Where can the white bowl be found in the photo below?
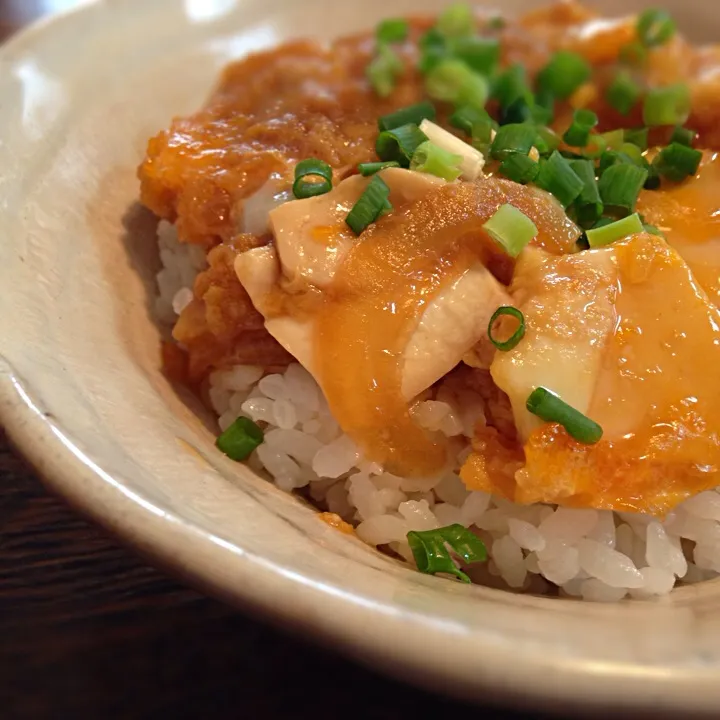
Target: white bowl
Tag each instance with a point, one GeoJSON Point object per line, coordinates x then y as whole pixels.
{"type": "Point", "coordinates": [82, 396]}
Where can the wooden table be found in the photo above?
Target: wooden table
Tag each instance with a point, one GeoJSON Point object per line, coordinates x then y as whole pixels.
{"type": "Point", "coordinates": [89, 631]}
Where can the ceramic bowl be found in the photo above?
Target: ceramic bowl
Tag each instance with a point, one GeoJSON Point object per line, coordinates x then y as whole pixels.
{"type": "Point", "coordinates": [81, 394]}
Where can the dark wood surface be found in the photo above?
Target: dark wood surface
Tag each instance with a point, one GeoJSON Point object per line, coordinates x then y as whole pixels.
{"type": "Point", "coordinates": [89, 631]}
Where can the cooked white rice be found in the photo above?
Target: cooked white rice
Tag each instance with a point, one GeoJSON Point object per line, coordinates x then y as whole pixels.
{"type": "Point", "coordinates": [588, 554]}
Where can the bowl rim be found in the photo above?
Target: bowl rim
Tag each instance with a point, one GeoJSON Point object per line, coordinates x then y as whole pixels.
{"type": "Point", "coordinates": [496, 674]}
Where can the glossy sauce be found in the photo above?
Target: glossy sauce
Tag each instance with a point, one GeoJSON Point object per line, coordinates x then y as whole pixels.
{"type": "Point", "coordinates": [382, 289]}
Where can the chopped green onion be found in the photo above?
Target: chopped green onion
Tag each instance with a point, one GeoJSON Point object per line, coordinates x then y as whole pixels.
{"type": "Point", "coordinates": [516, 337]}
{"type": "Point", "coordinates": [549, 407]}
{"type": "Point", "coordinates": [517, 112]}
{"type": "Point", "coordinates": [433, 49]}
{"type": "Point", "coordinates": [496, 23]}
{"type": "Point", "coordinates": [588, 205]}
{"type": "Point", "coordinates": [613, 157]}
{"type": "Point", "coordinates": [312, 167]}
{"type": "Point", "coordinates": [456, 21]}
{"type": "Point", "coordinates": [475, 122]}
{"type": "Point", "coordinates": [453, 81]}
{"type": "Point", "coordinates": [655, 27]}
{"type": "Point", "coordinates": [547, 140]}
{"type": "Point", "coordinates": [519, 168]}
{"type": "Point", "coordinates": [383, 70]}
{"type": "Point", "coordinates": [623, 93]}
{"type": "Point", "coordinates": [511, 229]}
{"type": "Point", "coordinates": [677, 162]}
{"type": "Point", "coordinates": [240, 439]}
{"type": "Point", "coordinates": [633, 53]}
{"type": "Point", "coordinates": [392, 30]}
{"type": "Point", "coordinates": [637, 137]}
{"type": "Point", "coordinates": [543, 110]}
{"type": "Point", "coordinates": [607, 141]}
{"type": "Point", "coordinates": [653, 230]}
{"type": "Point", "coordinates": [472, 159]}
{"type": "Point", "coordinates": [511, 85]}
{"type": "Point", "coordinates": [558, 178]}
{"type": "Point", "coordinates": [480, 54]}
{"type": "Point", "coordinates": [434, 160]}
{"type": "Point", "coordinates": [609, 233]}
{"type": "Point", "coordinates": [400, 143]}
{"type": "Point", "coordinates": [578, 134]}
{"type": "Point", "coordinates": [633, 152]}
{"type": "Point", "coordinates": [684, 136]}
{"type": "Point", "coordinates": [370, 168]}
{"type": "Point", "coordinates": [668, 105]}
{"type": "Point", "coordinates": [410, 114]}
{"type": "Point", "coordinates": [516, 138]}
{"type": "Point", "coordinates": [369, 206]}
{"type": "Point", "coordinates": [564, 74]}
{"type": "Point", "coordinates": [620, 186]}
{"type": "Point", "coordinates": [653, 180]}
{"type": "Point", "coordinates": [429, 548]}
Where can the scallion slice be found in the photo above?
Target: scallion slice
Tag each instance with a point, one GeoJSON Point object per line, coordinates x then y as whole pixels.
{"type": "Point", "coordinates": [480, 54]}
{"type": "Point", "coordinates": [655, 27]}
{"type": "Point", "coordinates": [430, 549]}
{"type": "Point", "coordinates": [623, 93]}
{"type": "Point", "coordinates": [369, 206]}
{"type": "Point", "coordinates": [433, 49]}
{"type": "Point", "coordinates": [653, 230]}
{"type": "Point", "coordinates": [312, 167]}
{"type": "Point", "coordinates": [240, 439]}
{"type": "Point", "coordinates": [558, 178]}
{"type": "Point", "coordinates": [473, 159]}
{"type": "Point", "coordinates": [653, 181]}
{"type": "Point", "coordinates": [637, 137]}
{"type": "Point", "coordinates": [549, 407]}
{"type": "Point", "coordinates": [519, 168]}
{"type": "Point", "coordinates": [383, 70]}
{"type": "Point", "coordinates": [411, 114]}
{"type": "Point", "coordinates": [578, 134]}
{"type": "Point", "coordinates": [370, 168]}
{"type": "Point", "coordinates": [683, 136]}
{"type": "Point", "coordinates": [453, 81]}
{"type": "Point", "coordinates": [516, 337]}
{"type": "Point", "coordinates": [677, 162]}
{"type": "Point", "coordinates": [392, 30]}
{"type": "Point", "coordinates": [511, 85]}
{"type": "Point", "coordinates": [431, 158]}
{"type": "Point", "coordinates": [456, 21]}
{"type": "Point", "coordinates": [610, 232]}
{"type": "Point", "coordinates": [564, 74]}
{"type": "Point", "coordinates": [547, 140]}
{"type": "Point", "coordinates": [620, 186]}
{"type": "Point", "coordinates": [400, 143]}
{"type": "Point", "coordinates": [475, 122]}
{"type": "Point", "coordinates": [668, 105]}
{"type": "Point", "coordinates": [511, 229]}
{"type": "Point", "coordinates": [515, 138]}
{"type": "Point", "coordinates": [588, 205]}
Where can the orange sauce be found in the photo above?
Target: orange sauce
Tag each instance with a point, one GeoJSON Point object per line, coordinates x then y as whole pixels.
{"type": "Point", "coordinates": [379, 294]}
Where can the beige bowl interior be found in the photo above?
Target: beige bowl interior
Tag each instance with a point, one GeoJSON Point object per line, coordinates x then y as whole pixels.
{"type": "Point", "coordinates": [82, 396]}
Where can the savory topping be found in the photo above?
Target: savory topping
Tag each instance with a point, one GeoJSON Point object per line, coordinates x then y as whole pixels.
{"type": "Point", "coordinates": [240, 439]}
{"type": "Point", "coordinates": [430, 550]}
{"type": "Point", "coordinates": [313, 168]}
{"type": "Point", "coordinates": [471, 159]}
{"type": "Point", "coordinates": [547, 405]}
{"type": "Point", "coordinates": [612, 231]}
{"type": "Point", "coordinates": [511, 229]}
{"type": "Point", "coordinates": [370, 205]}
{"type": "Point", "coordinates": [413, 115]}
{"type": "Point", "coordinates": [431, 158]}
{"type": "Point", "coordinates": [399, 143]}
{"type": "Point", "coordinates": [516, 337]}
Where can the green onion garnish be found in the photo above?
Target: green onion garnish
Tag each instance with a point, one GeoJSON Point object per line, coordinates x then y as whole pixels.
{"type": "Point", "coordinates": [516, 138]}
{"type": "Point", "coordinates": [610, 232]}
{"type": "Point", "coordinates": [383, 70]}
{"type": "Point", "coordinates": [633, 53]}
{"type": "Point", "coordinates": [429, 548]}
{"type": "Point", "coordinates": [668, 105]}
{"type": "Point", "coordinates": [547, 140]}
{"type": "Point", "coordinates": [620, 186]}
{"type": "Point", "coordinates": [370, 205]}
{"type": "Point", "coordinates": [240, 439]}
{"type": "Point", "coordinates": [588, 205]}
{"type": "Point", "coordinates": [578, 134]}
{"type": "Point", "coordinates": [392, 30]}
{"type": "Point", "coordinates": [431, 158]}
{"type": "Point", "coordinates": [456, 21]}
{"type": "Point", "coordinates": [549, 407]}
{"type": "Point", "coordinates": [519, 168]}
{"type": "Point", "coordinates": [653, 230]}
{"type": "Point", "coordinates": [677, 162]}
{"type": "Point", "coordinates": [655, 27]}
{"type": "Point", "coordinates": [511, 85]}
{"type": "Point", "coordinates": [564, 74]}
{"type": "Point", "coordinates": [433, 49]}
{"type": "Point", "coordinates": [480, 54]}
{"type": "Point", "coordinates": [684, 136]}
{"type": "Point", "coordinates": [637, 137]}
{"type": "Point", "coordinates": [516, 337]}
{"type": "Point", "coordinates": [558, 178]}
{"type": "Point", "coordinates": [518, 111]}
{"type": "Point", "coordinates": [410, 114]}
{"type": "Point", "coordinates": [653, 179]}
{"type": "Point", "coordinates": [400, 143]}
{"type": "Point", "coordinates": [511, 229]}
{"type": "Point", "coordinates": [312, 167]}
{"type": "Point", "coordinates": [633, 152]}
{"type": "Point", "coordinates": [623, 93]}
{"type": "Point", "coordinates": [475, 122]}
{"type": "Point", "coordinates": [453, 81]}
{"type": "Point", "coordinates": [496, 23]}
{"type": "Point", "coordinates": [370, 168]}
